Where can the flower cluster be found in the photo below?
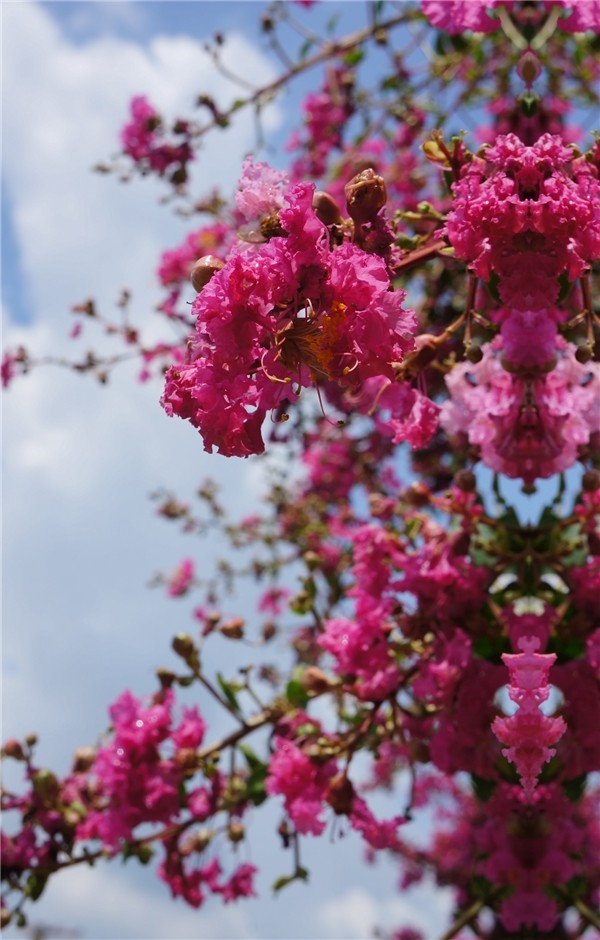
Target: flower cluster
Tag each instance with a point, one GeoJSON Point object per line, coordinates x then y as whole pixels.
{"type": "Point", "coordinates": [526, 215]}
{"type": "Point", "coordinates": [457, 16]}
{"type": "Point", "coordinates": [529, 735]}
{"type": "Point", "coordinates": [139, 784]}
{"type": "Point", "coordinates": [142, 140]}
{"type": "Point", "coordinates": [281, 316]}
{"type": "Point", "coordinates": [526, 426]}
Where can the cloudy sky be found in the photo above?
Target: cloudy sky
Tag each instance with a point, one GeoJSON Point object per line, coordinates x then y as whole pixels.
{"type": "Point", "coordinates": [81, 541]}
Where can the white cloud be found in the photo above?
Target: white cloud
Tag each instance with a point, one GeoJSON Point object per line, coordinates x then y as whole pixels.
{"type": "Point", "coordinates": [64, 104]}
{"type": "Point", "coordinates": [103, 897]}
{"type": "Point", "coordinates": [355, 914]}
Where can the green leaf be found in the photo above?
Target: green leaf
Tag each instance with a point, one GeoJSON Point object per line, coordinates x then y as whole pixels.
{"type": "Point", "coordinates": [282, 882]}
{"type": "Point", "coordinates": [301, 874]}
{"type": "Point", "coordinates": [575, 788]}
{"type": "Point", "coordinates": [480, 886]}
{"type": "Point", "coordinates": [305, 49]}
{"type": "Point", "coordinates": [251, 759]}
{"type": "Point", "coordinates": [255, 785]}
{"type": "Point", "coordinates": [296, 694]}
{"type": "Point", "coordinates": [35, 885]}
{"type": "Point", "coordinates": [483, 788]}
{"type": "Point", "coordinates": [229, 689]}
{"type": "Point", "coordinates": [354, 56]}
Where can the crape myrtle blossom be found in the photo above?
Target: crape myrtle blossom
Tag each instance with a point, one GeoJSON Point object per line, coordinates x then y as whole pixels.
{"type": "Point", "coordinates": [182, 579]}
{"type": "Point", "coordinates": [280, 316]}
{"type": "Point", "coordinates": [522, 848]}
{"type": "Point", "coordinates": [311, 786]}
{"type": "Point", "coordinates": [529, 735]}
{"type": "Point", "coordinates": [526, 426]}
{"type": "Point", "coordinates": [458, 16]}
{"type": "Point", "coordinates": [527, 215]}
{"type": "Point", "coordinates": [142, 140]}
{"type": "Point", "coordinates": [176, 263]}
{"type": "Point", "coordinates": [139, 781]}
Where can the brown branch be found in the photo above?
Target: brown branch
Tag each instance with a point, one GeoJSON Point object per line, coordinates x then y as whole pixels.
{"type": "Point", "coordinates": [328, 51]}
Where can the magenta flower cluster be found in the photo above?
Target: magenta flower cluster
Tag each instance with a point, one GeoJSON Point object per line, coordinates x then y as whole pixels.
{"type": "Point", "coordinates": [284, 315]}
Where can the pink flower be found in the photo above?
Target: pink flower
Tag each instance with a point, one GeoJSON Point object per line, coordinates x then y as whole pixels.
{"type": "Point", "coordinates": [456, 16]}
{"type": "Point", "coordinates": [138, 784]}
{"type": "Point", "coordinates": [326, 113]}
{"type": "Point", "coordinates": [240, 885]}
{"type": "Point", "coordinates": [525, 426]}
{"type": "Point", "coordinates": [141, 140]}
{"type": "Point", "coordinates": [378, 834]}
{"type": "Point", "coordinates": [528, 734]}
{"type": "Point", "coordinates": [191, 730]}
{"type": "Point", "coordinates": [585, 15]}
{"type": "Point", "coordinates": [176, 263]}
{"type": "Point", "coordinates": [528, 215]}
{"type": "Point", "coordinates": [302, 782]}
{"type": "Point", "coordinates": [8, 370]}
{"type": "Point", "coordinates": [181, 580]}
{"type": "Point", "coordinates": [273, 601]}
{"type": "Point", "coordinates": [261, 190]}
{"type": "Point", "coordinates": [281, 317]}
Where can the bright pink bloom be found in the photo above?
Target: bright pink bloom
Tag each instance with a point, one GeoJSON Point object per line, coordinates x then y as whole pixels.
{"type": "Point", "coordinates": [191, 730]}
{"type": "Point", "coordinates": [261, 190]}
{"type": "Point", "coordinates": [240, 884]}
{"type": "Point", "coordinates": [141, 139]}
{"type": "Point", "coordinates": [273, 601]}
{"type": "Point", "coordinates": [528, 734]}
{"type": "Point", "coordinates": [139, 784]}
{"type": "Point", "coordinates": [302, 782]}
{"type": "Point", "coordinates": [528, 427]}
{"type": "Point", "coordinates": [456, 16]}
{"type": "Point", "coordinates": [182, 578]}
{"type": "Point", "coordinates": [281, 317]}
{"type": "Point", "coordinates": [585, 15]}
{"type": "Point", "coordinates": [528, 215]}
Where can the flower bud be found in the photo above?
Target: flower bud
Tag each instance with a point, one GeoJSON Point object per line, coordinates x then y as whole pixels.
{"type": "Point", "coordinates": [268, 631]}
{"type": "Point", "coordinates": [326, 209]}
{"type": "Point", "coordinates": [83, 759]}
{"type": "Point", "coordinates": [184, 646]}
{"type": "Point", "coordinates": [417, 494]}
{"type": "Point", "coordinates": [584, 352]}
{"type": "Point", "coordinates": [340, 795]}
{"type": "Point", "coordinates": [529, 67]}
{"type": "Point", "coordinates": [13, 748]}
{"type": "Point", "coordinates": [186, 758]}
{"type": "Point", "coordinates": [365, 196]}
{"type": "Point", "coordinates": [233, 629]}
{"type": "Point", "coordinates": [235, 831]}
{"type": "Point", "coordinates": [589, 482]}
{"type": "Point", "coordinates": [465, 481]}
{"type": "Point", "coordinates": [315, 680]}
{"type": "Point", "coordinates": [473, 352]}
{"type": "Point", "coordinates": [166, 678]}
{"type": "Point", "coordinates": [45, 786]}
{"type": "Point", "coordinates": [203, 270]}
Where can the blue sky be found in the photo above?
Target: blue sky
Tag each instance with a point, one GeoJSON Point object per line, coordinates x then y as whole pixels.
{"type": "Point", "coordinates": [81, 540]}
